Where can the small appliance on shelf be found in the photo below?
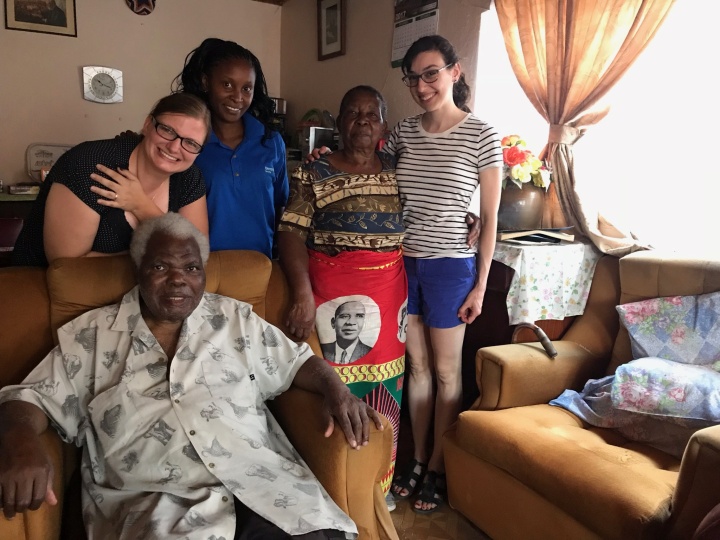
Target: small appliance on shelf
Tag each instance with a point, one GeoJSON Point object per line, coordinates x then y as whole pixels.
{"type": "Point", "coordinates": [24, 188]}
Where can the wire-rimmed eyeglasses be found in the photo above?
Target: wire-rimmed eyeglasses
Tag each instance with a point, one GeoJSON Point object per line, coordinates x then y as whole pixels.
{"type": "Point", "coordinates": [429, 76]}
{"type": "Point", "coordinates": [169, 134]}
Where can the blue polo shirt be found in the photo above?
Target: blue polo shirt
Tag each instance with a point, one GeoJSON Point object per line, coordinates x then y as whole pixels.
{"type": "Point", "coordinates": [246, 188]}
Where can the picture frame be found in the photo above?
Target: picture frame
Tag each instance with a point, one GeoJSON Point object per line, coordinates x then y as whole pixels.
{"type": "Point", "coordinates": [43, 16]}
{"type": "Point", "coordinates": [330, 28]}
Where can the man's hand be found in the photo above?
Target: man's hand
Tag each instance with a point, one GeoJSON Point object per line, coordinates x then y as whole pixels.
{"type": "Point", "coordinates": [352, 414]}
{"type": "Point", "coordinates": [26, 474]}
{"type": "Point", "coordinates": [474, 227]}
{"type": "Point", "coordinates": [301, 318]}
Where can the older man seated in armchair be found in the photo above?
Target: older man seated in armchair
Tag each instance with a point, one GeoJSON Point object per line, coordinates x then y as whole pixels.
{"type": "Point", "coordinates": [166, 393]}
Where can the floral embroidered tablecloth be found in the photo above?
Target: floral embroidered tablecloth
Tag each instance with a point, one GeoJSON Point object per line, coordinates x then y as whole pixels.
{"type": "Point", "coordinates": [550, 281]}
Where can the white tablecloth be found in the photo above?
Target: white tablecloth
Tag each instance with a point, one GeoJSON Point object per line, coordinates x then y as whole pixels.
{"type": "Point", "coordinates": [550, 281]}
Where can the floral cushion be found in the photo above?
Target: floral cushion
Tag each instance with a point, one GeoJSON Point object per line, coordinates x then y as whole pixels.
{"type": "Point", "coordinates": [680, 328]}
{"type": "Point", "coordinates": [594, 405]}
{"type": "Point", "coordinates": [665, 388]}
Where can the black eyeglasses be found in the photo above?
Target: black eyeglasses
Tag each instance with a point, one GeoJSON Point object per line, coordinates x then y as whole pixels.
{"type": "Point", "coordinates": [169, 134]}
{"type": "Point", "coordinates": [429, 76]}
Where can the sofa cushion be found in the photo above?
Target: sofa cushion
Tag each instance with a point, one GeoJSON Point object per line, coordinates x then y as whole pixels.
{"type": "Point", "coordinates": [77, 285]}
{"type": "Point", "coordinates": [660, 387]}
{"type": "Point", "coordinates": [613, 486]}
{"type": "Point", "coordinates": [679, 328]}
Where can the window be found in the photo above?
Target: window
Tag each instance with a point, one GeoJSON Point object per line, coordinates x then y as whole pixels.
{"type": "Point", "coordinates": [653, 164]}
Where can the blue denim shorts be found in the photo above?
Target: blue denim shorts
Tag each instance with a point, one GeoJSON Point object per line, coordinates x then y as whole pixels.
{"type": "Point", "coordinates": [438, 287]}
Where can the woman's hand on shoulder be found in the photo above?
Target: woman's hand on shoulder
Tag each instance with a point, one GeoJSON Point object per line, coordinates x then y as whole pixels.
{"type": "Point", "coordinates": [123, 190]}
{"type": "Point", "coordinates": [317, 153]}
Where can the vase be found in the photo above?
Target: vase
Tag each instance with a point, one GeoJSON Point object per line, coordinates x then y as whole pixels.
{"type": "Point", "coordinates": [521, 208]}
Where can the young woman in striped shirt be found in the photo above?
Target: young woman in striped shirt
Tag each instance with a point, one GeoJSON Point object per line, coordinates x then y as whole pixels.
{"type": "Point", "coordinates": [443, 155]}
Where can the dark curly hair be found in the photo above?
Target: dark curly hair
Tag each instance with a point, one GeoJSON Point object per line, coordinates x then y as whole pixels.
{"type": "Point", "coordinates": [212, 52]}
{"type": "Point", "coordinates": [461, 89]}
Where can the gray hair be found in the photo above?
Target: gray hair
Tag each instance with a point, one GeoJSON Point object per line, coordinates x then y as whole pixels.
{"type": "Point", "coordinates": [172, 224]}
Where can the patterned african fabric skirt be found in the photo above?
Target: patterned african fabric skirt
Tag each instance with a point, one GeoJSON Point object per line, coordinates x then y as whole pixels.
{"type": "Point", "coordinates": [361, 299]}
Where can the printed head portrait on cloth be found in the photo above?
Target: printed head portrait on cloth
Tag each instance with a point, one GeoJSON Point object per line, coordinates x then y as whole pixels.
{"type": "Point", "coordinates": [348, 328]}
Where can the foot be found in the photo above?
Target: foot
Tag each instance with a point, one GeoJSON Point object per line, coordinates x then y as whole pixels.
{"type": "Point", "coordinates": [390, 501]}
{"type": "Point", "coordinates": [404, 485]}
{"type": "Point", "coordinates": [432, 494]}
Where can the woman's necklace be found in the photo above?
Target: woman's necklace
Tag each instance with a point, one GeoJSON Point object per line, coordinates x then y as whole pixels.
{"type": "Point", "coordinates": [134, 162]}
{"type": "Point", "coordinates": [158, 189]}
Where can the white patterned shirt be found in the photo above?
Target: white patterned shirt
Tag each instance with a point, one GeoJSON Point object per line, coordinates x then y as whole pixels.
{"type": "Point", "coordinates": [163, 455]}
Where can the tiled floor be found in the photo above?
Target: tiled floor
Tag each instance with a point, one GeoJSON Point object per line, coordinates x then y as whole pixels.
{"type": "Point", "coordinates": [443, 524]}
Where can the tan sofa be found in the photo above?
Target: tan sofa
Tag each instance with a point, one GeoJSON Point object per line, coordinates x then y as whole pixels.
{"type": "Point", "coordinates": [34, 302]}
{"type": "Point", "coordinates": [519, 468]}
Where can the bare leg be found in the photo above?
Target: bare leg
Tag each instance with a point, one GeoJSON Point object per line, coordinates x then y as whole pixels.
{"type": "Point", "coordinates": [447, 353]}
{"type": "Point", "coordinates": [419, 388]}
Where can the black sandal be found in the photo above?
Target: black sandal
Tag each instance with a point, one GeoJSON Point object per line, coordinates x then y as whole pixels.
{"type": "Point", "coordinates": [433, 491]}
{"type": "Point", "coordinates": [409, 479]}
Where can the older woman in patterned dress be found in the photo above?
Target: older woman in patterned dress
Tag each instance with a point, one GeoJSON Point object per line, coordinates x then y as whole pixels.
{"type": "Point", "coordinates": [340, 246]}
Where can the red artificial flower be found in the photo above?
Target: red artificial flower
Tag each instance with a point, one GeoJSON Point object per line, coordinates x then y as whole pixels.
{"type": "Point", "coordinates": [515, 155]}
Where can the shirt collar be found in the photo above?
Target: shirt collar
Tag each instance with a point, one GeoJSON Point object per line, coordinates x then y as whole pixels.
{"type": "Point", "coordinates": [350, 350]}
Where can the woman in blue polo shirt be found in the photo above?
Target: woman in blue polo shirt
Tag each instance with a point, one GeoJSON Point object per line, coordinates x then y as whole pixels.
{"type": "Point", "coordinates": [243, 161]}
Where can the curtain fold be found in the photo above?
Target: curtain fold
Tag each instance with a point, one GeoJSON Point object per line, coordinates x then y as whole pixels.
{"type": "Point", "coordinates": [567, 55]}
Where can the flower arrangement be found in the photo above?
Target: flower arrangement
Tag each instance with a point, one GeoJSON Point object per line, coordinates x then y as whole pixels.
{"type": "Point", "coordinates": [520, 165]}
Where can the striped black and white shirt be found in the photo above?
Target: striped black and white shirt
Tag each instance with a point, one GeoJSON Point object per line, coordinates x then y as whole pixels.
{"type": "Point", "coordinates": [437, 174]}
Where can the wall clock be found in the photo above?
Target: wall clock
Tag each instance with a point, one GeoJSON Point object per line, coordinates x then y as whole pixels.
{"type": "Point", "coordinates": [102, 84]}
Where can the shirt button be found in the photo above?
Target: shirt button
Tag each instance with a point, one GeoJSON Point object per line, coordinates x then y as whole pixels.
{"type": "Point", "coordinates": [235, 156]}
{"type": "Point", "coordinates": [211, 465]}
{"type": "Point", "coordinates": [177, 401]}
{"type": "Point", "coordinates": [192, 432]}
{"type": "Point", "coordinates": [237, 174]}
{"type": "Point", "coordinates": [224, 499]}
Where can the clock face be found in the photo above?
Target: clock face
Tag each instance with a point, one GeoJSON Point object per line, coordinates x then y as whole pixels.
{"type": "Point", "coordinates": [102, 84]}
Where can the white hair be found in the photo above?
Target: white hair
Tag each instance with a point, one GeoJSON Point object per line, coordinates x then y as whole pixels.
{"type": "Point", "coordinates": [174, 225]}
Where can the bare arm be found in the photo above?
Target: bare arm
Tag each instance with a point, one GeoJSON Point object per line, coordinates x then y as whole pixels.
{"type": "Point", "coordinates": [65, 236]}
{"type": "Point", "coordinates": [26, 474]}
{"type": "Point", "coordinates": [340, 405]}
{"type": "Point", "coordinates": [294, 261]}
{"type": "Point", "coordinates": [490, 182]}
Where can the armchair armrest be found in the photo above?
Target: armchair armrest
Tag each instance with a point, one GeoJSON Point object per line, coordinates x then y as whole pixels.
{"type": "Point", "coordinates": [696, 490]}
{"type": "Point", "coordinates": [351, 477]}
{"type": "Point", "coordinates": [523, 374]}
{"type": "Point", "coordinates": [43, 523]}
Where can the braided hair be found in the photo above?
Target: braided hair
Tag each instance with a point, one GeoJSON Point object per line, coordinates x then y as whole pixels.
{"type": "Point", "coordinates": [461, 89]}
{"type": "Point", "coordinates": [212, 52]}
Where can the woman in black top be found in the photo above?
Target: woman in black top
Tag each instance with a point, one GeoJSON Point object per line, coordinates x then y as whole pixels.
{"type": "Point", "coordinates": [98, 191]}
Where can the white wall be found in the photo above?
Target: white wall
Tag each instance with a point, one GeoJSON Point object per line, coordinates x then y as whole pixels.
{"type": "Point", "coordinates": [308, 83]}
{"type": "Point", "coordinates": [41, 80]}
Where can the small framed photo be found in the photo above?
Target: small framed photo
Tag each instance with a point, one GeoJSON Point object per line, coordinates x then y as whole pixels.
{"type": "Point", "coordinates": [45, 16]}
{"type": "Point", "coordinates": [330, 28]}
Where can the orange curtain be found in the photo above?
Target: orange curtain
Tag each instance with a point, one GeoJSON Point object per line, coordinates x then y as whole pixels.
{"type": "Point", "coordinates": [567, 54]}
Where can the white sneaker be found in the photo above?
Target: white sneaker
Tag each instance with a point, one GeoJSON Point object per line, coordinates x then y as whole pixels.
{"type": "Point", "coordinates": [390, 501]}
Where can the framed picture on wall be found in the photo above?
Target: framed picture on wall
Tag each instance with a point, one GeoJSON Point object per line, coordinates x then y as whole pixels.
{"type": "Point", "coordinates": [330, 28]}
{"type": "Point", "coordinates": [46, 16]}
